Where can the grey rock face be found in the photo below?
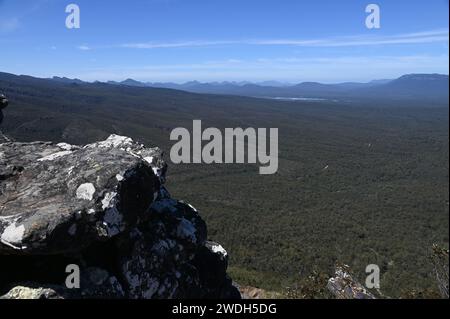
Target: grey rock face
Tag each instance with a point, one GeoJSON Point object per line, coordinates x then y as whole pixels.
{"type": "Point", "coordinates": [102, 207]}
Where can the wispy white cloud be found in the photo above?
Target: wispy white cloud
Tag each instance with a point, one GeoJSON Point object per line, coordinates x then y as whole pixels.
{"type": "Point", "coordinates": [182, 44]}
{"type": "Point", "coordinates": [83, 47]}
{"type": "Point", "coordinates": [441, 35]}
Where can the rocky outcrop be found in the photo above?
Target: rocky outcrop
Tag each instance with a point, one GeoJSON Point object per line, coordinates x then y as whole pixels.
{"type": "Point", "coordinates": [103, 208]}
{"type": "Point", "coordinates": [344, 286]}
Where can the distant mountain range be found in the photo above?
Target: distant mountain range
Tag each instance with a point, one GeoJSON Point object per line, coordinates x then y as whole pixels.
{"type": "Point", "coordinates": [411, 86]}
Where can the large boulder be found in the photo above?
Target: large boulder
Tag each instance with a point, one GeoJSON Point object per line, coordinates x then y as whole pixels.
{"type": "Point", "coordinates": [104, 208]}
{"type": "Point", "coordinates": [59, 198]}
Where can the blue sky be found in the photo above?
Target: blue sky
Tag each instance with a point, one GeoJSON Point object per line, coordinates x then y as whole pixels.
{"type": "Point", "coordinates": [234, 40]}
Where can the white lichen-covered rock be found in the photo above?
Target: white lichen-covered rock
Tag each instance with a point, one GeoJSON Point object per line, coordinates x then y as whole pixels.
{"type": "Point", "coordinates": [104, 208]}
{"type": "Point", "coordinates": [26, 292]}
{"type": "Point", "coordinates": [344, 286]}
{"type": "Point", "coordinates": [59, 197]}
{"type": "Point", "coordinates": [96, 282]}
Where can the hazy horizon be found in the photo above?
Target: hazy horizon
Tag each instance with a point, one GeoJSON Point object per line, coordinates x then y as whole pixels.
{"type": "Point", "coordinates": [236, 82]}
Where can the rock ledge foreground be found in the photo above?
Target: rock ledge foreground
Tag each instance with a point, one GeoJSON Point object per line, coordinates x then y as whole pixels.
{"type": "Point", "coordinates": [102, 207]}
